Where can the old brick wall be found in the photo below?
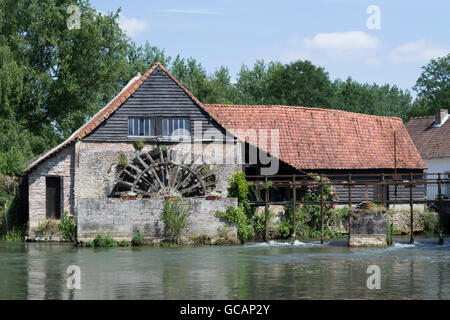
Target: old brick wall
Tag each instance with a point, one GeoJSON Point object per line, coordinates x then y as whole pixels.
{"type": "Point", "coordinates": [121, 219]}
{"type": "Point", "coordinates": [61, 164]}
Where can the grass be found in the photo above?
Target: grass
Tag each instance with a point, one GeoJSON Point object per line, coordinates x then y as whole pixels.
{"type": "Point", "coordinates": [13, 236]}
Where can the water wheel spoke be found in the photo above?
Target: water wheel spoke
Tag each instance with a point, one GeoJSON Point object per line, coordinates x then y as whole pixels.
{"type": "Point", "coordinates": [130, 174]}
{"type": "Point", "coordinates": [183, 182]}
{"type": "Point", "coordinates": [207, 175]}
{"type": "Point", "coordinates": [135, 168]}
{"type": "Point", "coordinates": [142, 162]}
{"type": "Point", "coordinates": [148, 183]}
{"type": "Point", "coordinates": [154, 173]}
{"type": "Point", "coordinates": [125, 183]}
{"type": "Point", "coordinates": [196, 185]}
{"type": "Point", "coordinates": [174, 176]}
{"type": "Point", "coordinates": [149, 157]}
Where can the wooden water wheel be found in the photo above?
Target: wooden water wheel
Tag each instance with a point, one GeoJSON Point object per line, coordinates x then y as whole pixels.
{"type": "Point", "coordinates": [156, 174]}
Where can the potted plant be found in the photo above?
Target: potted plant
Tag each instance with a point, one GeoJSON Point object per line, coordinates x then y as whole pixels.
{"type": "Point", "coordinates": [129, 196]}
{"type": "Point", "coordinates": [213, 196]}
{"type": "Point", "coordinates": [172, 196]}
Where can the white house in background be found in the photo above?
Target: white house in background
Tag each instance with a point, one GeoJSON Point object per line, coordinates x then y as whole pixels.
{"type": "Point", "coordinates": [431, 135]}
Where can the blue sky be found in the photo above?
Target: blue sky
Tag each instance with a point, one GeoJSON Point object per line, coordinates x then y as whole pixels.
{"type": "Point", "coordinates": [330, 33]}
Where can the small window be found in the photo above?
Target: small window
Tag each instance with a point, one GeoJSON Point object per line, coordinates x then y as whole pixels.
{"type": "Point", "coordinates": [176, 126]}
{"type": "Point", "coordinates": [144, 127]}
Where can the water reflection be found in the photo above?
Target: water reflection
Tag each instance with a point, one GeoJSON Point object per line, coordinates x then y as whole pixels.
{"type": "Point", "coordinates": [255, 271]}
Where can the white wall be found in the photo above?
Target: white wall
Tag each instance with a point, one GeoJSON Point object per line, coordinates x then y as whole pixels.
{"type": "Point", "coordinates": [437, 165]}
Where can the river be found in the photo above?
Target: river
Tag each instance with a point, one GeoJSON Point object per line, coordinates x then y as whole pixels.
{"type": "Point", "coordinates": [304, 270]}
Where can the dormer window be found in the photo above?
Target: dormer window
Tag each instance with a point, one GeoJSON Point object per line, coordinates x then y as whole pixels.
{"type": "Point", "coordinates": [141, 127]}
{"type": "Point", "coordinates": [176, 127]}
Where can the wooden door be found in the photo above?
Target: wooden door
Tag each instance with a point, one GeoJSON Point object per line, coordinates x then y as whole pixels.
{"type": "Point", "coordinates": [53, 197]}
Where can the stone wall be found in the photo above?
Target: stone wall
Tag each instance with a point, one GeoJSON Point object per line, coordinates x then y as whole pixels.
{"type": "Point", "coordinates": [121, 219]}
{"type": "Point", "coordinates": [96, 167]}
{"type": "Point", "coordinates": [62, 165]}
{"type": "Point", "coordinates": [367, 228]}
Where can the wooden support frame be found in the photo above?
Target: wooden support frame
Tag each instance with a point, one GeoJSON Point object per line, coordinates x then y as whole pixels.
{"type": "Point", "coordinates": [294, 211]}
{"type": "Point", "coordinates": [321, 208]}
{"type": "Point", "coordinates": [266, 210]}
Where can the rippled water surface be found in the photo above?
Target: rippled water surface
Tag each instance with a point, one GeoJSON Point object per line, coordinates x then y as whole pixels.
{"type": "Point", "coordinates": [254, 271]}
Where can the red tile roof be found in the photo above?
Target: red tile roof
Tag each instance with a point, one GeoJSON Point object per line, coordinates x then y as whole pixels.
{"type": "Point", "coordinates": [313, 138]}
{"type": "Point", "coordinates": [310, 138]}
{"type": "Point", "coordinates": [431, 141]}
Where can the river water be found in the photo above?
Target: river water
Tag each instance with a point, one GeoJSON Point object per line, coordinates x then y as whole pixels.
{"type": "Point", "coordinates": [305, 270]}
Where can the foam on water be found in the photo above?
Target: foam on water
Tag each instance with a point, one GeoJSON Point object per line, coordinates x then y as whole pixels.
{"type": "Point", "coordinates": [403, 245]}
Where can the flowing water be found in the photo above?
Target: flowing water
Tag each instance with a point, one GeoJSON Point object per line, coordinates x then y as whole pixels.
{"type": "Point", "coordinates": [304, 270]}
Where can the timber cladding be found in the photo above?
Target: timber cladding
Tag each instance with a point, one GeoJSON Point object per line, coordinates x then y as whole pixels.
{"type": "Point", "coordinates": [159, 96]}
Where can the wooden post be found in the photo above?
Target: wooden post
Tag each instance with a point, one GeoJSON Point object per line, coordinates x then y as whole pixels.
{"type": "Point", "coordinates": [266, 222]}
{"type": "Point", "coordinates": [441, 238]}
{"type": "Point", "coordinates": [349, 191]}
{"type": "Point", "coordinates": [411, 204]}
{"type": "Point", "coordinates": [321, 210]}
{"type": "Point", "coordinates": [294, 201]}
{"type": "Point", "coordinates": [383, 189]}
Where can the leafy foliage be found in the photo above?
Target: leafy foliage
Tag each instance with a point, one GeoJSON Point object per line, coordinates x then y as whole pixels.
{"type": "Point", "coordinates": [138, 239]}
{"type": "Point", "coordinates": [430, 223]}
{"type": "Point", "coordinates": [389, 231]}
{"type": "Point", "coordinates": [123, 160]}
{"type": "Point", "coordinates": [139, 144]}
{"type": "Point", "coordinates": [68, 228]}
{"type": "Point", "coordinates": [433, 87]}
{"type": "Point", "coordinates": [308, 216]}
{"type": "Point", "coordinates": [175, 214]}
{"type": "Point", "coordinates": [102, 241]}
{"type": "Point", "coordinates": [238, 217]}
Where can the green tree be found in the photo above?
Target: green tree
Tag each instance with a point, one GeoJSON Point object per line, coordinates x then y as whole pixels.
{"type": "Point", "coordinates": [433, 87]}
{"type": "Point", "coordinates": [299, 83]}
{"type": "Point", "coordinates": [373, 99]}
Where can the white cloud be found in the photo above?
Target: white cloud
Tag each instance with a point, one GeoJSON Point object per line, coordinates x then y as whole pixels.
{"type": "Point", "coordinates": [416, 51]}
{"type": "Point", "coordinates": [342, 46]}
{"type": "Point", "coordinates": [132, 26]}
{"type": "Point", "coordinates": [190, 11]}
{"type": "Point", "coordinates": [341, 41]}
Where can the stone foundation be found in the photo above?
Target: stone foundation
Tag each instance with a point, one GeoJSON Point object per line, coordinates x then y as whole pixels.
{"type": "Point", "coordinates": [367, 228]}
{"type": "Point", "coordinates": [122, 219]}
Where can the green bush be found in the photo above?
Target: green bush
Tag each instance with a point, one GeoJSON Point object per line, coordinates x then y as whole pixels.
{"type": "Point", "coordinates": [68, 228]}
{"type": "Point", "coordinates": [123, 243]}
{"type": "Point", "coordinates": [430, 223]}
{"type": "Point", "coordinates": [175, 214]}
{"type": "Point", "coordinates": [308, 225]}
{"type": "Point", "coordinates": [389, 231]}
{"type": "Point", "coordinates": [139, 144]}
{"type": "Point", "coordinates": [238, 217]}
{"type": "Point", "coordinates": [104, 241]}
{"type": "Point", "coordinates": [138, 239]}
{"type": "Point", "coordinates": [258, 222]}
{"type": "Point", "coordinates": [239, 188]}
{"type": "Point", "coordinates": [123, 160]}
